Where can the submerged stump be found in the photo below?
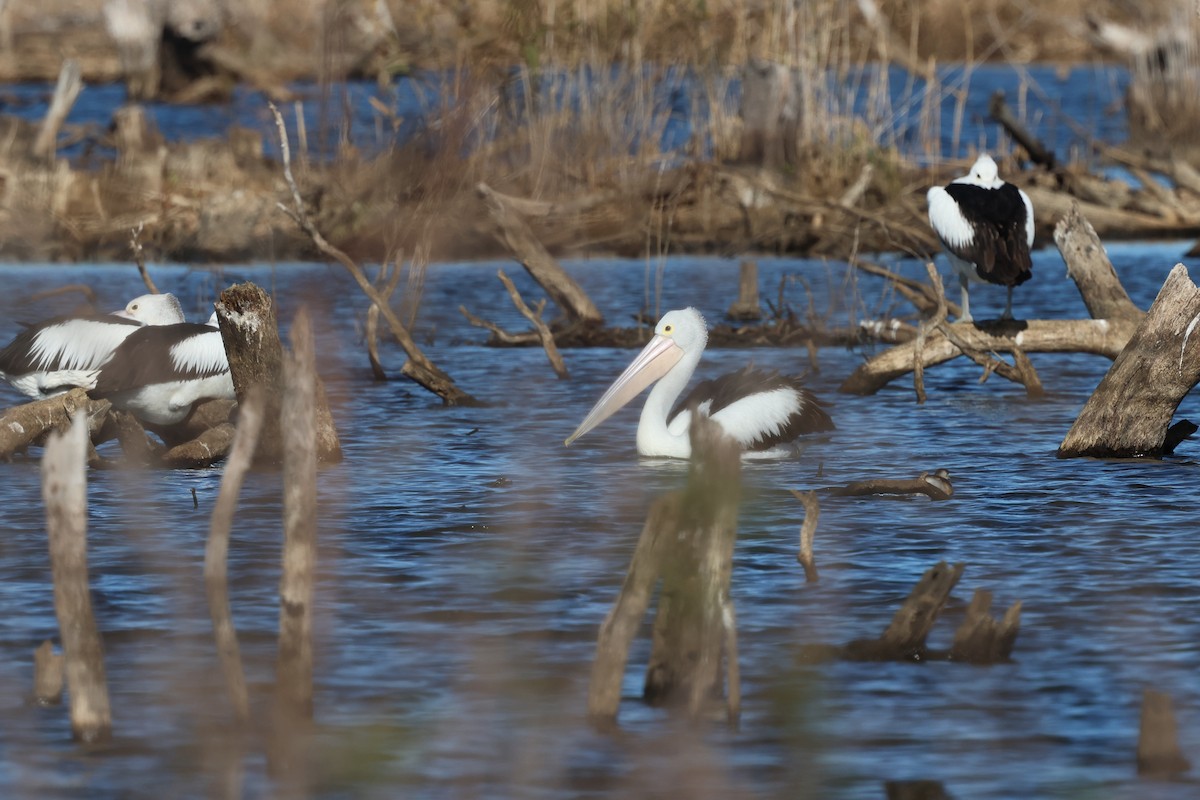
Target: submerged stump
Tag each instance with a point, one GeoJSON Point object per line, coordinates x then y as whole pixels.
{"type": "Point", "coordinates": [687, 541]}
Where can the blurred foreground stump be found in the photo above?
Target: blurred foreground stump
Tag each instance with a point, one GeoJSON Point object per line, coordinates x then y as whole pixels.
{"type": "Point", "coordinates": [251, 336]}
{"type": "Point", "coordinates": [687, 541]}
{"type": "Point", "coordinates": [64, 492]}
{"type": "Point", "coordinates": [1130, 412]}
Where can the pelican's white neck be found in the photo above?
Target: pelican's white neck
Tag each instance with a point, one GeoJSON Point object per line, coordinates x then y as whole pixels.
{"type": "Point", "coordinates": [654, 437]}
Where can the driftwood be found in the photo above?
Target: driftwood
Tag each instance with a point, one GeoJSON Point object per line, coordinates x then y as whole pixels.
{"type": "Point", "coordinates": [1104, 335]}
{"type": "Point", "coordinates": [216, 550]}
{"type": "Point", "coordinates": [688, 541]}
{"type": "Point", "coordinates": [513, 231]}
{"type": "Point", "coordinates": [1158, 753]}
{"type": "Point", "coordinates": [418, 367]}
{"type": "Point", "coordinates": [935, 485]}
{"type": "Point", "coordinates": [48, 675]}
{"type": "Point", "coordinates": [1129, 413]}
{"type": "Point", "coordinates": [251, 337]}
{"type": "Point", "coordinates": [979, 639]}
{"type": "Point", "coordinates": [64, 491]}
{"type": "Point", "coordinates": [28, 424]}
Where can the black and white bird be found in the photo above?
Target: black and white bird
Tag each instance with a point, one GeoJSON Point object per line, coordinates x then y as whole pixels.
{"type": "Point", "coordinates": [56, 355]}
{"type": "Point", "coordinates": [763, 411]}
{"type": "Point", "coordinates": [986, 226]}
{"type": "Point", "coordinates": [158, 373]}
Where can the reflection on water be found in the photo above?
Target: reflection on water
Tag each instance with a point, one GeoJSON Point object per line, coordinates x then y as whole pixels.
{"type": "Point", "coordinates": [467, 559]}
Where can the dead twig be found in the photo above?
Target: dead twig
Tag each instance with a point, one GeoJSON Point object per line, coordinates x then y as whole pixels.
{"type": "Point", "coordinates": [139, 256]}
{"type": "Point", "coordinates": [535, 319]}
{"type": "Point", "coordinates": [923, 330]}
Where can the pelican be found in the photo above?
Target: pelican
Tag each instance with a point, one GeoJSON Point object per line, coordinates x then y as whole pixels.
{"type": "Point", "coordinates": [763, 411]}
{"type": "Point", "coordinates": [55, 355]}
{"type": "Point", "coordinates": [159, 373]}
{"type": "Point", "coordinates": [986, 226]}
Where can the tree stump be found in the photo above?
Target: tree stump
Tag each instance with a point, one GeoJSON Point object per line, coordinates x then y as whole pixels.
{"type": "Point", "coordinates": [688, 541]}
{"type": "Point", "coordinates": [746, 308]}
{"type": "Point", "coordinates": [1129, 413]}
{"type": "Point", "coordinates": [251, 337]}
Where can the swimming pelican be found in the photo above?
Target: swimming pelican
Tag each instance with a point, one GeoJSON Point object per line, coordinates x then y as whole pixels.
{"type": "Point", "coordinates": [763, 411]}
{"type": "Point", "coordinates": [159, 373]}
{"type": "Point", "coordinates": [986, 226]}
{"type": "Point", "coordinates": [55, 355]}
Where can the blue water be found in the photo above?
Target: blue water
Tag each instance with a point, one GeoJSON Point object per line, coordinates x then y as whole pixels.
{"type": "Point", "coordinates": [467, 559]}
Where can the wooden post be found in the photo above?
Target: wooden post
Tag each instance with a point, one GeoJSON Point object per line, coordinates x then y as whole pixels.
{"type": "Point", "coordinates": [1129, 413]}
{"type": "Point", "coordinates": [64, 491]}
{"type": "Point", "coordinates": [251, 336]}
{"type": "Point", "coordinates": [216, 551]}
{"type": "Point", "coordinates": [687, 540]}
{"type": "Point", "coordinates": [293, 691]}
{"type": "Point", "coordinates": [746, 308]}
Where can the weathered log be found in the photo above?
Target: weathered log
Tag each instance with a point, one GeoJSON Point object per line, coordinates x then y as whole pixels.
{"type": "Point", "coordinates": [935, 485]}
{"type": "Point", "coordinates": [1158, 753]}
{"type": "Point", "coordinates": [514, 232]}
{"type": "Point", "coordinates": [687, 540]}
{"type": "Point", "coordinates": [905, 637]}
{"type": "Point", "coordinates": [139, 448]}
{"type": "Point", "coordinates": [1089, 266]}
{"type": "Point", "coordinates": [250, 333]}
{"type": "Point", "coordinates": [216, 550]}
{"type": "Point", "coordinates": [981, 638]}
{"type": "Point", "coordinates": [746, 308]}
{"type": "Point", "coordinates": [1098, 336]}
{"type": "Point", "coordinates": [48, 676]}
{"type": "Point", "coordinates": [1130, 411]}
{"type": "Point", "coordinates": [25, 425]}
{"type": "Point", "coordinates": [203, 451]}
{"type": "Point", "coordinates": [64, 491]}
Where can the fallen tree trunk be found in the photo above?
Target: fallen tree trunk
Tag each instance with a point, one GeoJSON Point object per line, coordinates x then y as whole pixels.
{"type": "Point", "coordinates": [28, 424]}
{"type": "Point", "coordinates": [1129, 413]}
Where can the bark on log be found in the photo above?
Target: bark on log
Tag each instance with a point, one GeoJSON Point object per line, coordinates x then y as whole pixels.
{"type": "Point", "coordinates": [64, 492]}
{"type": "Point", "coordinates": [1129, 413]}
{"type": "Point", "coordinates": [25, 425]}
{"type": "Point", "coordinates": [513, 232]}
{"type": "Point", "coordinates": [203, 451]}
{"type": "Point", "coordinates": [251, 336]}
{"type": "Point", "coordinates": [1089, 266]}
{"type": "Point", "coordinates": [1158, 753]}
{"type": "Point", "coordinates": [216, 551]}
{"type": "Point", "coordinates": [687, 540]}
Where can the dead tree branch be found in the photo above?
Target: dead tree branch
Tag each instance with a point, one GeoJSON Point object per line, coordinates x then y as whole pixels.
{"type": "Point", "coordinates": [535, 319]}
{"type": "Point", "coordinates": [808, 531]}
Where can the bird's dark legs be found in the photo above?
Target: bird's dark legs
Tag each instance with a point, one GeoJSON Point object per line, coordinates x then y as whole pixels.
{"type": "Point", "coordinates": [1008, 307]}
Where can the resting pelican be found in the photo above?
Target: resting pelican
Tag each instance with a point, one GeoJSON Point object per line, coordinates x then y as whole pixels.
{"type": "Point", "coordinates": [986, 226]}
{"type": "Point", "coordinates": [763, 411]}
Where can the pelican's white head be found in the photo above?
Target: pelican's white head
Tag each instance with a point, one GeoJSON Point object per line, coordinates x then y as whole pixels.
{"type": "Point", "coordinates": [679, 335]}
{"type": "Point", "coordinates": [153, 309]}
{"type": "Point", "coordinates": [985, 173]}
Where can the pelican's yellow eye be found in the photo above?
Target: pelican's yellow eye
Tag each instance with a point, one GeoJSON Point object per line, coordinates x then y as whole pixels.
{"type": "Point", "coordinates": [666, 329]}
